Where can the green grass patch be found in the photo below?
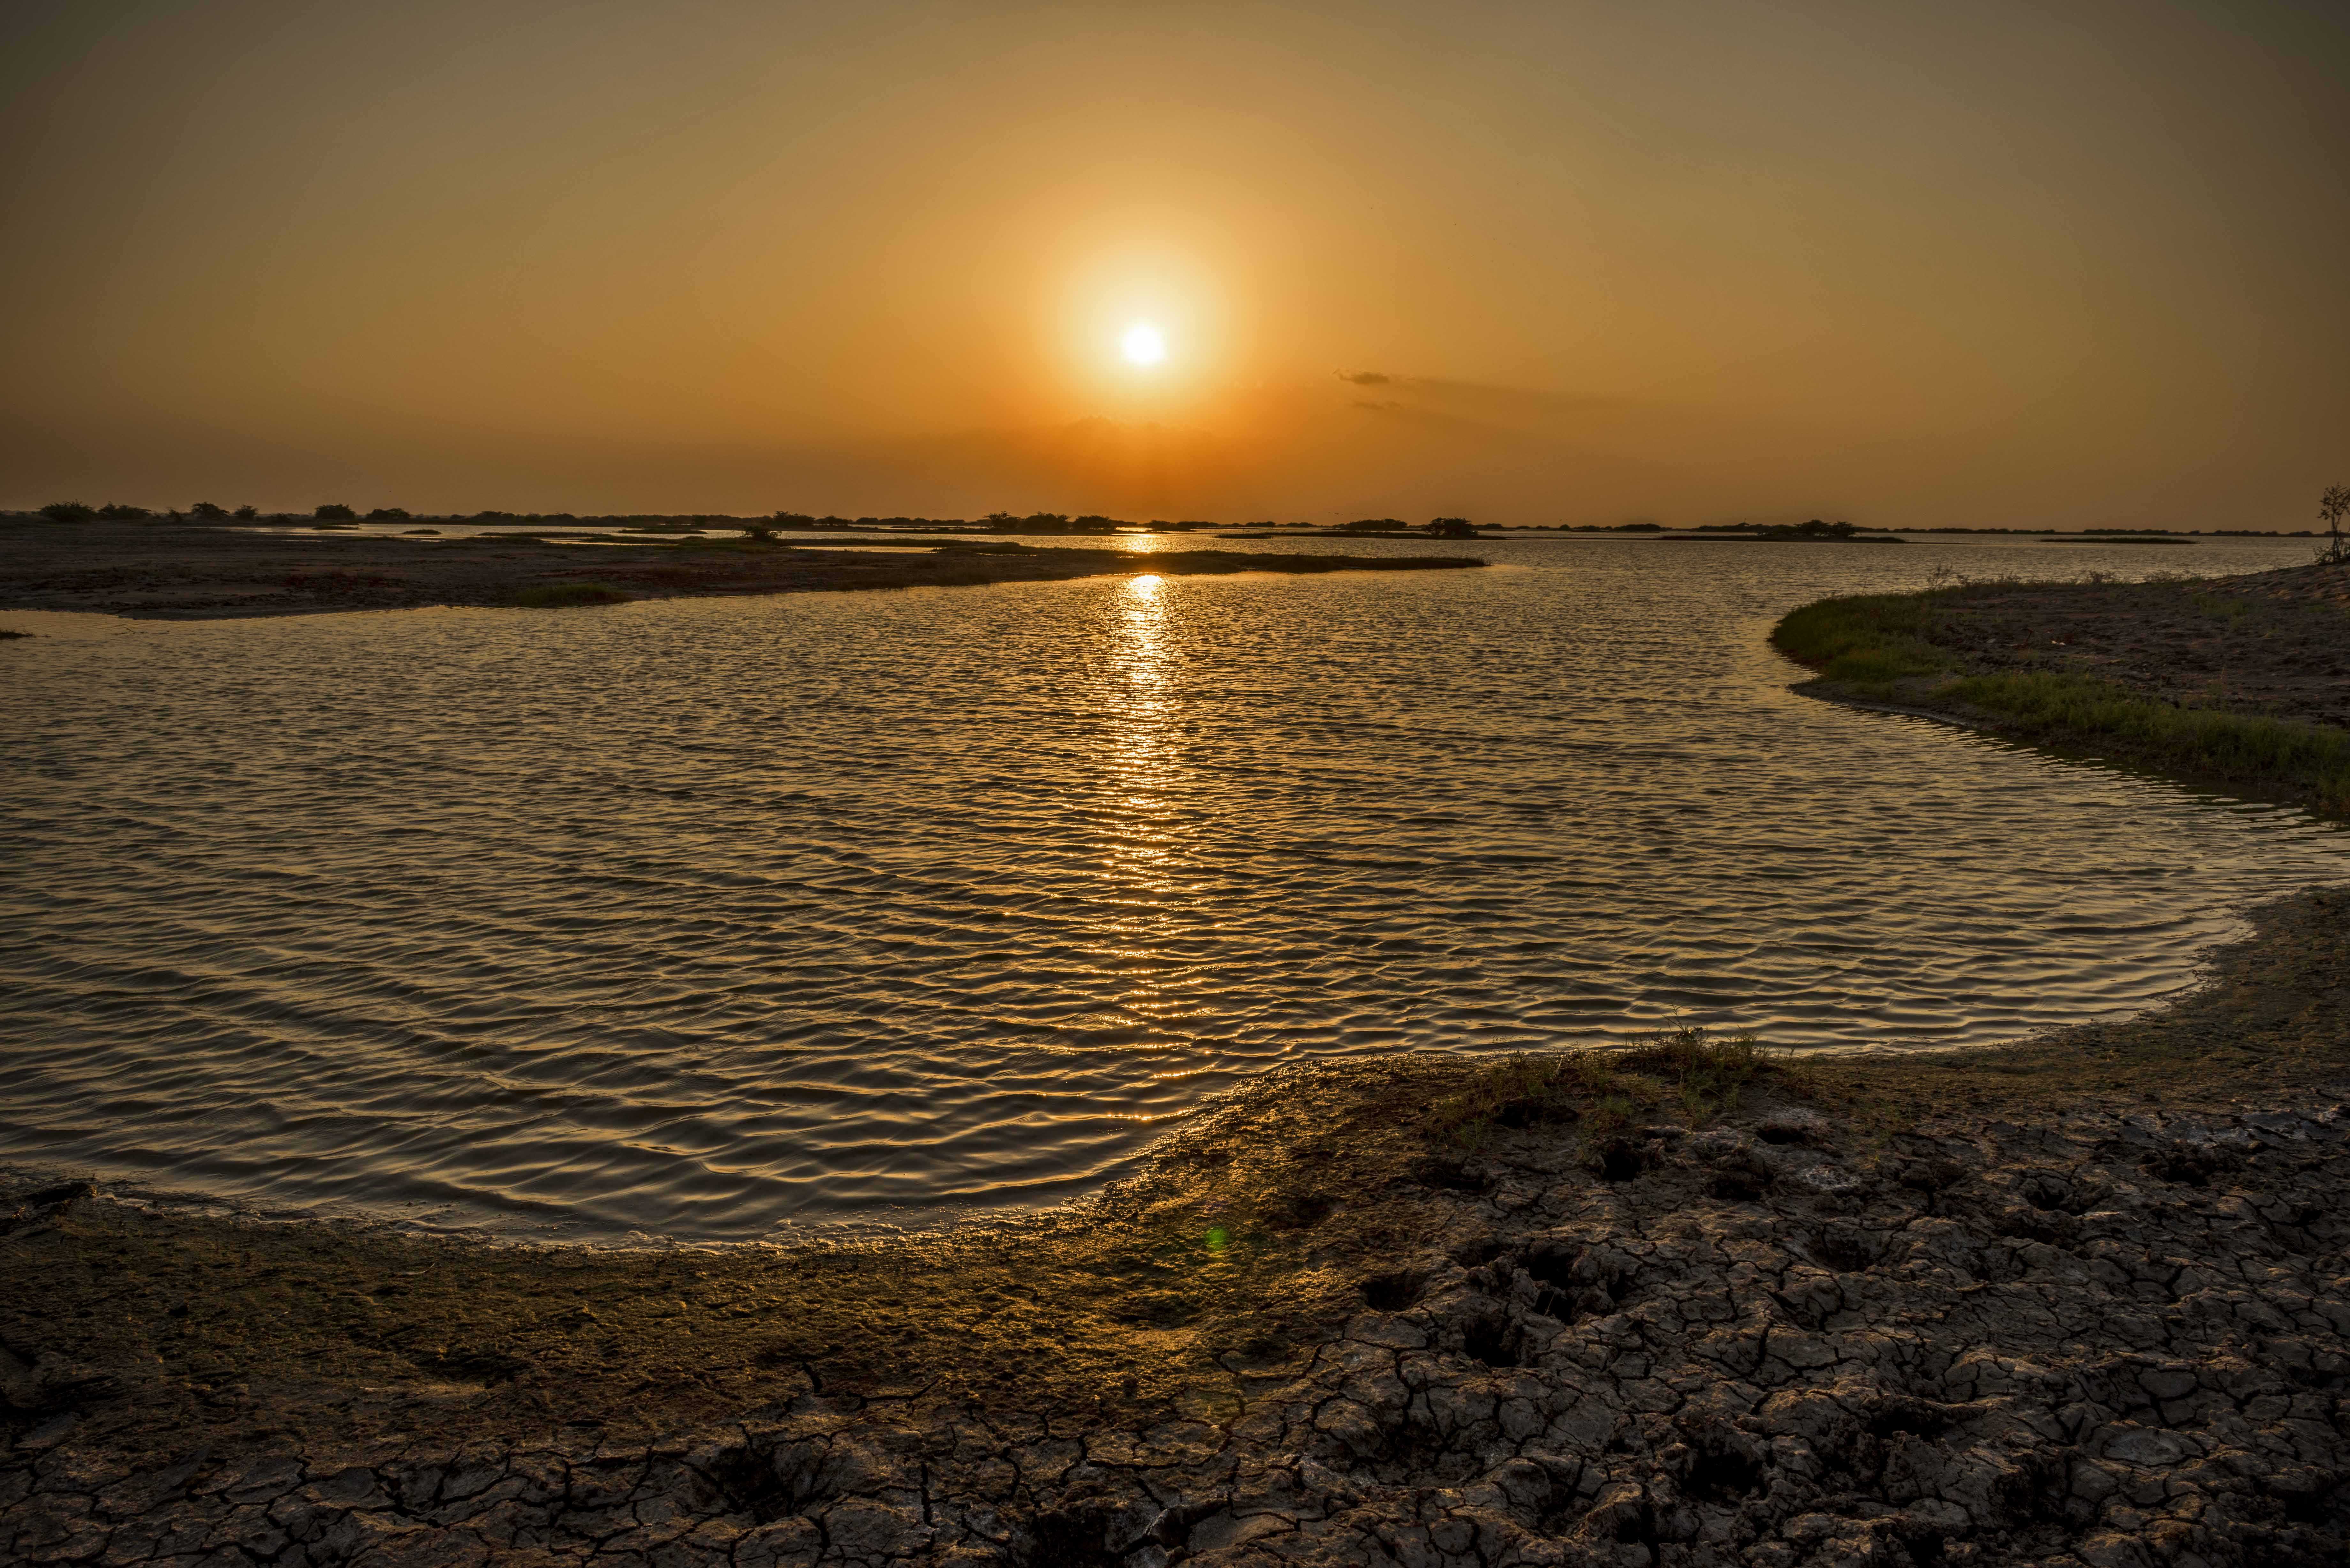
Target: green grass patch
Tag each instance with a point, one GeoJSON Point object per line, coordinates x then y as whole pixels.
{"type": "Point", "coordinates": [2243, 747]}
{"type": "Point", "coordinates": [1868, 638]}
{"type": "Point", "coordinates": [562, 596]}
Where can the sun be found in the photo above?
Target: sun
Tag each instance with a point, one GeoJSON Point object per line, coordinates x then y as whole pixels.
{"type": "Point", "coordinates": [1144, 345]}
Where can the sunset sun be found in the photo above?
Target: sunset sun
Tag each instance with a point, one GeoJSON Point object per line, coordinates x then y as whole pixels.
{"type": "Point", "coordinates": [1143, 346]}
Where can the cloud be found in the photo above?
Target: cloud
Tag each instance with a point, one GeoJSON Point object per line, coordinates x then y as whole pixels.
{"type": "Point", "coordinates": [1477, 403]}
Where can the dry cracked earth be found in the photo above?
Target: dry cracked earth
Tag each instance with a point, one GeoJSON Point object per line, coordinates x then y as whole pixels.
{"type": "Point", "coordinates": [2114, 1339]}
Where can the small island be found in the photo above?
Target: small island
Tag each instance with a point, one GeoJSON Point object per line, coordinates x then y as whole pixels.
{"type": "Point", "coordinates": [202, 569]}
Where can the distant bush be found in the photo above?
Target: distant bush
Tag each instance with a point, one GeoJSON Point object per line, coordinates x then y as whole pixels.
{"type": "Point", "coordinates": [244, 512]}
{"type": "Point", "coordinates": [792, 520]}
{"type": "Point", "coordinates": [118, 512]}
{"type": "Point", "coordinates": [562, 596]}
{"type": "Point", "coordinates": [68, 511]}
{"type": "Point", "coordinates": [758, 528]}
{"type": "Point", "coordinates": [1451, 528]}
{"type": "Point", "coordinates": [389, 515]}
{"type": "Point", "coordinates": [207, 510]}
{"type": "Point", "coordinates": [334, 512]}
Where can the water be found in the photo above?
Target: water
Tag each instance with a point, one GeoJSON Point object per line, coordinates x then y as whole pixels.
{"type": "Point", "coordinates": [709, 919]}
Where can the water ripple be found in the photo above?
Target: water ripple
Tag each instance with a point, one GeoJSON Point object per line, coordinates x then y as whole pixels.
{"type": "Point", "coordinates": [707, 918]}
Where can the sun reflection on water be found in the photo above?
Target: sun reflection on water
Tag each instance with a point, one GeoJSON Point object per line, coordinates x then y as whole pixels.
{"type": "Point", "coordinates": [1143, 773]}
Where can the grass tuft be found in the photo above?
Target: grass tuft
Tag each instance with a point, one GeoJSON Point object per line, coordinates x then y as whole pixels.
{"type": "Point", "coordinates": [1604, 1091]}
{"type": "Point", "coordinates": [562, 596]}
{"type": "Point", "coordinates": [1870, 639]}
{"type": "Point", "coordinates": [1707, 1078]}
{"type": "Point", "coordinates": [2241, 747]}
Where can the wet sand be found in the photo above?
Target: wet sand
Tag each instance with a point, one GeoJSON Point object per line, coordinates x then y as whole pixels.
{"type": "Point", "coordinates": [188, 572]}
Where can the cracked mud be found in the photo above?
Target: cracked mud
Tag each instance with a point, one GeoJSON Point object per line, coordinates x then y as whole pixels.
{"type": "Point", "coordinates": [2082, 1301]}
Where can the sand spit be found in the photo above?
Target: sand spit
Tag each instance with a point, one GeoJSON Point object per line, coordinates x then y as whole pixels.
{"type": "Point", "coordinates": [190, 572]}
{"type": "Point", "coordinates": [2081, 1301]}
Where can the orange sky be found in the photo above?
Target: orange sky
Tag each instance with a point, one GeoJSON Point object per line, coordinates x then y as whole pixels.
{"type": "Point", "coordinates": [2002, 263]}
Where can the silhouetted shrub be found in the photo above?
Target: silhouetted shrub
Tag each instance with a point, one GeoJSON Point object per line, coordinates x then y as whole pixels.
{"type": "Point", "coordinates": [245, 514]}
{"type": "Point", "coordinates": [759, 529]}
{"type": "Point", "coordinates": [207, 510]}
{"type": "Point", "coordinates": [118, 512]}
{"type": "Point", "coordinates": [389, 515]}
{"type": "Point", "coordinates": [794, 520]}
{"type": "Point", "coordinates": [68, 511]}
{"type": "Point", "coordinates": [334, 512]}
{"type": "Point", "coordinates": [1451, 528]}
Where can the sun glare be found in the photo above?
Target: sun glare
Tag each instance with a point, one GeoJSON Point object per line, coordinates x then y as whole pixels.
{"type": "Point", "coordinates": [1144, 345]}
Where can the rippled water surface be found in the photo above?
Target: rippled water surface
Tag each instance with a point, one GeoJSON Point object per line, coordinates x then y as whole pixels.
{"type": "Point", "coordinates": [710, 917]}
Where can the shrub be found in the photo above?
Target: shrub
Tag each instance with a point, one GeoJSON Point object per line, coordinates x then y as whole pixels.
{"type": "Point", "coordinates": [68, 511]}
{"type": "Point", "coordinates": [334, 512]}
{"type": "Point", "coordinates": [1451, 528]}
{"type": "Point", "coordinates": [562, 596]}
{"type": "Point", "coordinates": [208, 510]}
{"type": "Point", "coordinates": [389, 515]}
{"type": "Point", "coordinates": [759, 529]}
{"type": "Point", "coordinates": [245, 513]}
{"type": "Point", "coordinates": [118, 512]}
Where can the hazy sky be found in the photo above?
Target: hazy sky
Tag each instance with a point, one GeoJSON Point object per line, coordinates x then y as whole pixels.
{"type": "Point", "coordinates": [1988, 262]}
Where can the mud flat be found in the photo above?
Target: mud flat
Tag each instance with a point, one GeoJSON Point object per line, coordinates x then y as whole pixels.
{"type": "Point", "coordinates": [189, 572]}
{"type": "Point", "coordinates": [2079, 1299]}
{"type": "Point", "coordinates": [2242, 681]}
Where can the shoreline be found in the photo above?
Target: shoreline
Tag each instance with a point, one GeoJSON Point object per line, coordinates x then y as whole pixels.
{"type": "Point", "coordinates": [191, 572]}
{"type": "Point", "coordinates": [2241, 683]}
{"type": "Point", "coordinates": [1939, 1306]}
{"type": "Point", "coordinates": [2079, 1299]}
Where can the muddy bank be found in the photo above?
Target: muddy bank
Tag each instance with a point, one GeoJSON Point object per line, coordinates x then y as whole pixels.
{"type": "Point", "coordinates": [163, 569]}
{"type": "Point", "coordinates": [2082, 1300]}
{"type": "Point", "coordinates": [2241, 681]}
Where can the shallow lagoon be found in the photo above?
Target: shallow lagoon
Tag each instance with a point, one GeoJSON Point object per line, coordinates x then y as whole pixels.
{"type": "Point", "coordinates": [707, 918]}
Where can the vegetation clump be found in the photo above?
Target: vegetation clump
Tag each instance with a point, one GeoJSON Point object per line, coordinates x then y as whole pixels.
{"type": "Point", "coordinates": [1684, 1071]}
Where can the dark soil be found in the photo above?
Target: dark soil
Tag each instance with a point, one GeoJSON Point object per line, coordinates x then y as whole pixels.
{"type": "Point", "coordinates": [2079, 1301]}
{"type": "Point", "coordinates": [2275, 643]}
{"type": "Point", "coordinates": [182, 570]}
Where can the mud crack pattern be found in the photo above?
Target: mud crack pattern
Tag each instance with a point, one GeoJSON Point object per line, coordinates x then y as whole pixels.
{"type": "Point", "coordinates": [2116, 1341]}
